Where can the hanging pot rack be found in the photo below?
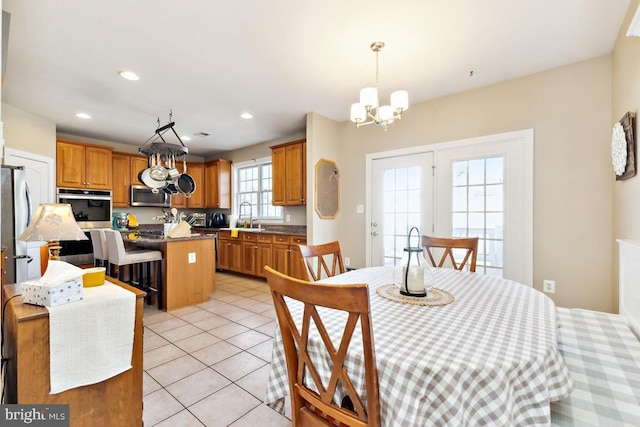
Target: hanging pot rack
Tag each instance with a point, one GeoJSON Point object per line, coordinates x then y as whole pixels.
{"type": "Point", "coordinates": [158, 146]}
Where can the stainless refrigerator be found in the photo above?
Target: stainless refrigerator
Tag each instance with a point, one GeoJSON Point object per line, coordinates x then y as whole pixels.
{"type": "Point", "coordinates": [16, 211]}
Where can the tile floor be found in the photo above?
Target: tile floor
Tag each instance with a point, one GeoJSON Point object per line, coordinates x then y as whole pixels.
{"type": "Point", "coordinates": [207, 365]}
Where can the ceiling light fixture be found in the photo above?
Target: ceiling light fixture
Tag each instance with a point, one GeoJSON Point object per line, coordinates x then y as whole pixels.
{"type": "Point", "coordinates": [83, 116]}
{"type": "Point", "coordinates": [246, 116]}
{"type": "Point", "coordinates": [129, 75]}
{"type": "Point", "coordinates": [368, 109]}
{"type": "Point", "coordinates": [185, 138]}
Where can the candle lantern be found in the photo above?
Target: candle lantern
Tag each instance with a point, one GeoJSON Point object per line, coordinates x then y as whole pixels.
{"type": "Point", "coordinates": [410, 274]}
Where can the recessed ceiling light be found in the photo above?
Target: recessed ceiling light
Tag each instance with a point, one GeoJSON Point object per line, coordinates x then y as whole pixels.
{"type": "Point", "coordinates": [246, 116]}
{"type": "Point", "coordinates": [83, 116]}
{"type": "Point", "coordinates": [185, 138]}
{"type": "Point", "coordinates": [129, 75]}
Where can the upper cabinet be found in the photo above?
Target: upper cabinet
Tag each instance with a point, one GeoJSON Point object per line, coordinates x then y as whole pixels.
{"type": "Point", "coordinates": [121, 166]}
{"type": "Point", "coordinates": [196, 171]}
{"type": "Point", "coordinates": [217, 183]}
{"type": "Point", "coordinates": [138, 164]}
{"type": "Point", "coordinates": [81, 165]}
{"type": "Point", "coordinates": [288, 162]}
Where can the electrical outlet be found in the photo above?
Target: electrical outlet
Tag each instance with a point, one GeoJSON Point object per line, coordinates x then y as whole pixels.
{"type": "Point", "coordinates": [287, 218]}
{"type": "Point", "coordinates": [192, 257]}
{"type": "Point", "coordinates": [347, 261]}
{"type": "Point", "coordinates": [359, 208]}
{"type": "Point", "coordinates": [549, 286]}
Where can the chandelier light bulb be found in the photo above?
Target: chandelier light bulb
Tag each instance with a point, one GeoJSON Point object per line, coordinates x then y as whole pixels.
{"type": "Point", "coordinates": [400, 100]}
{"type": "Point", "coordinates": [369, 97]}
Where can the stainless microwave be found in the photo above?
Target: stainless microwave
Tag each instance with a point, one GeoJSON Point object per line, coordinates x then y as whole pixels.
{"type": "Point", "coordinates": [141, 195]}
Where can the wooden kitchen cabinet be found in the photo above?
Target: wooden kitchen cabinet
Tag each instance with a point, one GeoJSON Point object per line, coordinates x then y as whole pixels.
{"type": "Point", "coordinates": [256, 253]}
{"type": "Point", "coordinates": [229, 252]}
{"type": "Point", "coordinates": [121, 166]}
{"type": "Point", "coordinates": [287, 258]}
{"type": "Point", "coordinates": [81, 165]}
{"type": "Point", "coordinates": [289, 174]}
{"type": "Point", "coordinates": [217, 183]}
{"type": "Point", "coordinates": [138, 164]}
{"type": "Point", "coordinates": [196, 170]}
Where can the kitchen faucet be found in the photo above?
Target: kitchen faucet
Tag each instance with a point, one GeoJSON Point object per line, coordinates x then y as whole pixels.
{"type": "Point", "coordinates": [240, 212]}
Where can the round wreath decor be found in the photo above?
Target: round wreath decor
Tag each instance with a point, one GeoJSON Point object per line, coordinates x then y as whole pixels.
{"type": "Point", "coordinates": [618, 149]}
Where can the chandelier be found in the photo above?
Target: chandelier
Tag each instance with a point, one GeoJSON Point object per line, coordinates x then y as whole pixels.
{"type": "Point", "coordinates": [368, 112]}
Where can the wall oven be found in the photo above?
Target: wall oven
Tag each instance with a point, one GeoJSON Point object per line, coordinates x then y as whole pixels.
{"type": "Point", "coordinates": [91, 209]}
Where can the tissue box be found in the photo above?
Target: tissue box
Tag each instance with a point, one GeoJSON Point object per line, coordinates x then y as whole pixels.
{"type": "Point", "coordinates": [34, 292]}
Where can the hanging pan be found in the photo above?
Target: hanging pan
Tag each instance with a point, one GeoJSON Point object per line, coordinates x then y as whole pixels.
{"type": "Point", "coordinates": [185, 182]}
{"type": "Point", "coordinates": [157, 171]}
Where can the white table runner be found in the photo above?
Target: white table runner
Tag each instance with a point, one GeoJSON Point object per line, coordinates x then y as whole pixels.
{"type": "Point", "coordinates": [91, 340]}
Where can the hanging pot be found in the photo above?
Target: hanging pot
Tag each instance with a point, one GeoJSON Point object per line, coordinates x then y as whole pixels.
{"type": "Point", "coordinates": [158, 172]}
{"type": "Point", "coordinates": [171, 187]}
{"type": "Point", "coordinates": [185, 182]}
{"type": "Point", "coordinates": [173, 172]}
{"type": "Point", "coordinates": [145, 177]}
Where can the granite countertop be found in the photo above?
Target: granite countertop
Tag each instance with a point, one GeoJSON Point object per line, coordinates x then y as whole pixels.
{"type": "Point", "coordinates": [159, 238]}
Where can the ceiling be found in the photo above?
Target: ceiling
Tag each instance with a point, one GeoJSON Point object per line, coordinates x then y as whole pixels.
{"type": "Point", "coordinates": [209, 61]}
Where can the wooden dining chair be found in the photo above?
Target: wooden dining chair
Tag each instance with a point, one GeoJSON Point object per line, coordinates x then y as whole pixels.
{"type": "Point", "coordinates": [468, 246]}
{"type": "Point", "coordinates": [317, 259]}
{"type": "Point", "coordinates": [317, 408]}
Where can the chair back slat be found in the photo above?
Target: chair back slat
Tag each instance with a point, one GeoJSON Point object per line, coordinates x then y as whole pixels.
{"type": "Point", "coordinates": [324, 260]}
{"type": "Point", "coordinates": [351, 299]}
{"type": "Point", "coordinates": [447, 246]}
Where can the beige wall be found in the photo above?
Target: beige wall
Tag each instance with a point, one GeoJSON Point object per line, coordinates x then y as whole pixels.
{"type": "Point", "coordinates": [323, 142]}
{"type": "Point", "coordinates": [625, 97]}
{"type": "Point", "coordinates": [569, 110]}
{"type": "Point", "coordinates": [27, 132]}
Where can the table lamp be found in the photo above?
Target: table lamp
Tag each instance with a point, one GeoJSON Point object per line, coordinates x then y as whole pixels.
{"type": "Point", "coordinates": [53, 223]}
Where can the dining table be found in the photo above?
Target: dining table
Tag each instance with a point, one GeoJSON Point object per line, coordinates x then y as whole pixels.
{"type": "Point", "coordinates": [485, 354]}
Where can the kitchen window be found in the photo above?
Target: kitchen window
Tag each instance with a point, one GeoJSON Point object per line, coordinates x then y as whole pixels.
{"type": "Point", "coordinates": [253, 183]}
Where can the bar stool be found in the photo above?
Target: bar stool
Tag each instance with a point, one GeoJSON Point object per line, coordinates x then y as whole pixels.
{"type": "Point", "coordinates": [100, 250]}
{"type": "Point", "coordinates": [141, 258]}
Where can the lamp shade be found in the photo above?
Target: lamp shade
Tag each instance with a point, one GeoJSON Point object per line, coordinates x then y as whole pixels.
{"type": "Point", "coordinates": [369, 97]}
{"type": "Point", "coordinates": [400, 100]}
{"type": "Point", "coordinates": [386, 113]}
{"type": "Point", "coordinates": [53, 222]}
{"type": "Point", "coordinates": [358, 113]}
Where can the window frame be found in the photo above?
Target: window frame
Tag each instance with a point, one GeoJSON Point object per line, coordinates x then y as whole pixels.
{"type": "Point", "coordinates": [257, 211]}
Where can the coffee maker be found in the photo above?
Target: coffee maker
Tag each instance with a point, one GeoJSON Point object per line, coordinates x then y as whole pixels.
{"type": "Point", "coordinates": [217, 220]}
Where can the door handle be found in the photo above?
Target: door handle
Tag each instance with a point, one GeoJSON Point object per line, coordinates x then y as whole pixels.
{"type": "Point", "coordinates": [374, 224]}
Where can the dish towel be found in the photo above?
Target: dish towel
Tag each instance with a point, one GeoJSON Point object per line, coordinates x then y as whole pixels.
{"type": "Point", "coordinates": [91, 340]}
{"type": "Point", "coordinates": [234, 232]}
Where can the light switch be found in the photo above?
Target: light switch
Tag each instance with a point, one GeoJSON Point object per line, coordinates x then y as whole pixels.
{"type": "Point", "coordinates": [359, 208]}
{"type": "Point", "coordinates": [192, 257]}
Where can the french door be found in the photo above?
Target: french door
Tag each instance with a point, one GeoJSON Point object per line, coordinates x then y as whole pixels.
{"type": "Point", "coordinates": [480, 188]}
{"type": "Point", "coordinates": [403, 189]}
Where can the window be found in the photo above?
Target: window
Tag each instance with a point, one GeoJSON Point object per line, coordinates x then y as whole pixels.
{"type": "Point", "coordinates": [478, 208]}
{"type": "Point", "coordinates": [253, 184]}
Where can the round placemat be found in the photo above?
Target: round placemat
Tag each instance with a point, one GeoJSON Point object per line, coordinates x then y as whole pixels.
{"type": "Point", "coordinates": [435, 296]}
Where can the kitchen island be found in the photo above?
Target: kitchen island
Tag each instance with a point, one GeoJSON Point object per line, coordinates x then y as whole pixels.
{"type": "Point", "coordinates": [188, 268]}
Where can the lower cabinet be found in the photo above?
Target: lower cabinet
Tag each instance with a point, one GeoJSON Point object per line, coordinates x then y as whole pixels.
{"type": "Point", "coordinates": [287, 258]}
{"type": "Point", "coordinates": [250, 252]}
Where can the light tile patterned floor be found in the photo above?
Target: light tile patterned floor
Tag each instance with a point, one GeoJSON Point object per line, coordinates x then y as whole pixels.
{"type": "Point", "coordinates": [207, 365]}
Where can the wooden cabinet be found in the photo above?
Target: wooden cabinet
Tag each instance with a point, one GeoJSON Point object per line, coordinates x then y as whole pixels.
{"type": "Point", "coordinates": [229, 252]}
{"type": "Point", "coordinates": [250, 252]}
{"type": "Point", "coordinates": [196, 170]}
{"type": "Point", "coordinates": [217, 183]}
{"type": "Point", "coordinates": [138, 164]}
{"type": "Point", "coordinates": [289, 174]}
{"type": "Point", "coordinates": [256, 253]}
{"type": "Point", "coordinates": [81, 165]}
{"type": "Point", "coordinates": [287, 258]}
{"type": "Point", "coordinates": [115, 402]}
{"type": "Point", "coordinates": [121, 167]}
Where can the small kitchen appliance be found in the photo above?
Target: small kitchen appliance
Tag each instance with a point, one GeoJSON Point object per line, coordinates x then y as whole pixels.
{"type": "Point", "coordinates": [198, 219]}
{"type": "Point", "coordinates": [120, 221]}
{"type": "Point", "coordinates": [217, 220]}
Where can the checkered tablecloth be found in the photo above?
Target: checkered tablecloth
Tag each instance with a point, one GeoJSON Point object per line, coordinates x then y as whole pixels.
{"type": "Point", "coordinates": [603, 356]}
{"type": "Point", "coordinates": [489, 358]}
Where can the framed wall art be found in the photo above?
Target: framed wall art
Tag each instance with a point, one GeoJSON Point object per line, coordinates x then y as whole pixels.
{"type": "Point", "coordinates": [623, 147]}
{"type": "Point", "coordinates": [327, 189]}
